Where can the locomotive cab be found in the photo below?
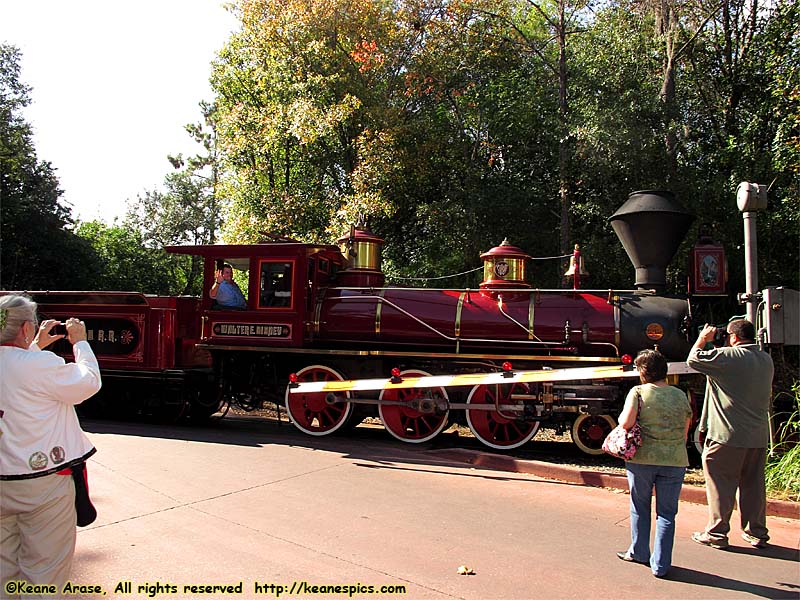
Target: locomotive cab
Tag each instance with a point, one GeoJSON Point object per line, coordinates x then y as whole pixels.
{"type": "Point", "coordinates": [279, 279]}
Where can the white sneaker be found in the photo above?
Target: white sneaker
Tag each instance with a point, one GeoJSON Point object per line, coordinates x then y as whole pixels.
{"type": "Point", "coordinates": [754, 541]}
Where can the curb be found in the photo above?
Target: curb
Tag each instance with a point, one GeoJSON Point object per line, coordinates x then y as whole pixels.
{"type": "Point", "coordinates": [569, 474]}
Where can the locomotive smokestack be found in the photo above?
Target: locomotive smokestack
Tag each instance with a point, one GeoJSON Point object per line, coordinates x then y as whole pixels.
{"type": "Point", "coordinates": [651, 226]}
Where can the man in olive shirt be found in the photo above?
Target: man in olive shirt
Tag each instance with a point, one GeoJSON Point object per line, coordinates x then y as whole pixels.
{"type": "Point", "coordinates": [735, 420]}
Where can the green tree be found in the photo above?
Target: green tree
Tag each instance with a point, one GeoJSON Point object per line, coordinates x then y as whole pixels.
{"type": "Point", "coordinates": [38, 249]}
{"type": "Point", "coordinates": [450, 126]}
{"type": "Point", "coordinates": [124, 263]}
{"type": "Point", "coordinates": [188, 212]}
{"type": "Point", "coordinates": [726, 72]}
{"type": "Point", "coordinates": [738, 106]}
{"type": "Point", "coordinates": [410, 116]}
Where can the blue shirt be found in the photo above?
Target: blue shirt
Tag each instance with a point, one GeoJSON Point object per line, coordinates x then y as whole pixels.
{"type": "Point", "coordinates": [230, 296]}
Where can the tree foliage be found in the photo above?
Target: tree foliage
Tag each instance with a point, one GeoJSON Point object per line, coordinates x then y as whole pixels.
{"type": "Point", "coordinates": [445, 125]}
{"type": "Point", "coordinates": [449, 126]}
{"type": "Point", "coordinates": [124, 263]}
{"type": "Point", "coordinates": [188, 211]}
{"type": "Point", "coordinates": [34, 225]}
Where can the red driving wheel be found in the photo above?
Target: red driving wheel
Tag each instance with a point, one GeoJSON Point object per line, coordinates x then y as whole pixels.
{"type": "Point", "coordinates": [494, 429]}
{"type": "Point", "coordinates": [408, 424]}
{"type": "Point", "coordinates": [311, 413]}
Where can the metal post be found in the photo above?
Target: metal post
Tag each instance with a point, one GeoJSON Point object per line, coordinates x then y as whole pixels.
{"type": "Point", "coordinates": [750, 198]}
{"type": "Point", "coordinates": [750, 264]}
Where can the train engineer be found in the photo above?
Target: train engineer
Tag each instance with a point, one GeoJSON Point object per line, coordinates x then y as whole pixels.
{"type": "Point", "coordinates": [225, 290]}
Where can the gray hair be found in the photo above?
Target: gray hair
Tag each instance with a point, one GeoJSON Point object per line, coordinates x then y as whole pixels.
{"type": "Point", "coordinates": [14, 311]}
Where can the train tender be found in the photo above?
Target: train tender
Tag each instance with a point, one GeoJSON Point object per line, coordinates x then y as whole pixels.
{"type": "Point", "coordinates": [323, 312]}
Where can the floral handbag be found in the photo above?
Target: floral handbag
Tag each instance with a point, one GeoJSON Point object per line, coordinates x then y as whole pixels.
{"type": "Point", "coordinates": [624, 443]}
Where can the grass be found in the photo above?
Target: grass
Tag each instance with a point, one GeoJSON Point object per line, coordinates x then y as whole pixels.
{"type": "Point", "coordinates": [783, 463]}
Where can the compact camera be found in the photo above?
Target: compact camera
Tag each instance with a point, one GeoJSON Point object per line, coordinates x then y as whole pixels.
{"type": "Point", "coordinates": [720, 336]}
{"type": "Point", "coordinates": [59, 329]}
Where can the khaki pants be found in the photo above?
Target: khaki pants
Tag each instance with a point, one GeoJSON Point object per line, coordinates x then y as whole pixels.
{"type": "Point", "coordinates": [727, 469]}
{"type": "Point", "coordinates": [38, 531]}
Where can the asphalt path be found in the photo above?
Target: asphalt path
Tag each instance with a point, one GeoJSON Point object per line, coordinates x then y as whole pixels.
{"type": "Point", "coordinates": [273, 513]}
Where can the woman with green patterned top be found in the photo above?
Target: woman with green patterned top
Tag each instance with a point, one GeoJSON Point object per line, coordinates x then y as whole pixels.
{"type": "Point", "coordinates": [660, 463]}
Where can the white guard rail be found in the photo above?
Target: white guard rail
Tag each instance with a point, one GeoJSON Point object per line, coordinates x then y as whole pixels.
{"type": "Point", "coordinates": [472, 379]}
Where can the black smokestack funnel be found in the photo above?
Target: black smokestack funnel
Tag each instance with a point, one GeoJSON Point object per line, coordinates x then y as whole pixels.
{"type": "Point", "coordinates": [651, 226]}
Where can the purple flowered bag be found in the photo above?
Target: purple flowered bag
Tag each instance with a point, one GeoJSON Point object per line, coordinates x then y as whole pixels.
{"type": "Point", "coordinates": [624, 443]}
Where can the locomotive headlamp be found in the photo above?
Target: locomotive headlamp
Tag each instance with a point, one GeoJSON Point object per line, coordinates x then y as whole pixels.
{"type": "Point", "coordinates": [626, 359]}
{"type": "Point", "coordinates": [292, 379]}
{"type": "Point", "coordinates": [508, 369]}
{"type": "Point", "coordinates": [396, 375]}
{"type": "Point", "coordinates": [654, 331]}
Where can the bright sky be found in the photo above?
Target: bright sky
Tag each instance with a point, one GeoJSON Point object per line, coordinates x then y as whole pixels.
{"type": "Point", "coordinates": [113, 85]}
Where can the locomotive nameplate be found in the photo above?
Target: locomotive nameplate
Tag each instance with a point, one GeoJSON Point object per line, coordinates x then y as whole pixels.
{"type": "Point", "coordinates": [261, 330]}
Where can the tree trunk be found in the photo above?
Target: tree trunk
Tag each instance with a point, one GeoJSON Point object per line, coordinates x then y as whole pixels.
{"type": "Point", "coordinates": [194, 273]}
{"type": "Point", "coordinates": [563, 144]}
{"type": "Point", "coordinates": [669, 30]}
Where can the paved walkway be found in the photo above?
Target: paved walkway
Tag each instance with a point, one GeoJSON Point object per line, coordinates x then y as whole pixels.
{"type": "Point", "coordinates": [273, 513]}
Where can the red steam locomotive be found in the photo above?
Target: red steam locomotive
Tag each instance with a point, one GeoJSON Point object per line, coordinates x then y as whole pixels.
{"type": "Point", "coordinates": [323, 312]}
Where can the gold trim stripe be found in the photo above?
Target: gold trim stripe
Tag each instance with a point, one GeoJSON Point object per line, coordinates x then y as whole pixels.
{"type": "Point", "coordinates": [457, 324]}
{"type": "Point", "coordinates": [542, 358]}
{"type": "Point", "coordinates": [378, 307]}
{"type": "Point", "coordinates": [531, 304]}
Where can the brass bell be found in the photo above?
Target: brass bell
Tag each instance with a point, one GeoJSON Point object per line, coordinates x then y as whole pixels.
{"type": "Point", "coordinates": [576, 259]}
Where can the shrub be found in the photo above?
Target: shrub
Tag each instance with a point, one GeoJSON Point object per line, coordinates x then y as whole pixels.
{"type": "Point", "coordinates": [783, 463]}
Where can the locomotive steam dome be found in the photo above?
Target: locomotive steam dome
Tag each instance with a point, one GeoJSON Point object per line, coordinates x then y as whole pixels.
{"type": "Point", "coordinates": [504, 267]}
{"type": "Point", "coordinates": [651, 226]}
{"type": "Point", "coordinates": [362, 249]}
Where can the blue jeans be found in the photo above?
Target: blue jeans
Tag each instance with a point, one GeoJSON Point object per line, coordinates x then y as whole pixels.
{"type": "Point", "coordinates": [667, 482]}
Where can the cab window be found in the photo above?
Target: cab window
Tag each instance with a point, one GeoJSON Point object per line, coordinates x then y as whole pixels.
{"type": "Point", "coordinates": [240, 277]}
{"type": "Point", "coordinates": [276, 285]}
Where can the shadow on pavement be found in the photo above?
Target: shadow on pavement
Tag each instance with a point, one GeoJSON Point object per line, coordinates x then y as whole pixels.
{"type": "Point", "coordinates": [371, 444]}
{"type": "Point", "coordinates": [693, 577]}
{"type": "Point", "coordinates": [771, 551]}
{"type": "Point", "coordinates": [260, 432]}
{"type": "Point", "coordinates": [489, 477]}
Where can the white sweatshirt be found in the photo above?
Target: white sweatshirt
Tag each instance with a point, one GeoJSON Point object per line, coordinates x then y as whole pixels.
{"type": "Point", "coordinates": [39, 430]}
